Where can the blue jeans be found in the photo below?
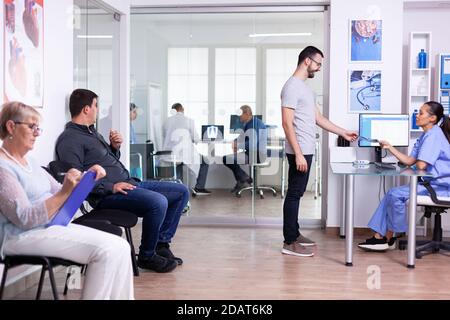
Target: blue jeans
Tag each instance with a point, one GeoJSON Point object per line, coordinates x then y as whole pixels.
{"type": "Point", "coordinates": [297, 182]}
{"type": "Point", "coordinates": [159, 203]}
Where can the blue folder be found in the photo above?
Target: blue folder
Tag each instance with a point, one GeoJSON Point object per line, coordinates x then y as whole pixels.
{"type": "Point", "coordinates": [74, 201]}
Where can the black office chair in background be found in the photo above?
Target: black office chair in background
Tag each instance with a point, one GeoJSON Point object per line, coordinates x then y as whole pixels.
{"type": "Point", "coordinates": [435, 205]}
{"type": "Point", "coordinates": [119, 218]}
{"type": "Point", "coordinates": [255, 188]}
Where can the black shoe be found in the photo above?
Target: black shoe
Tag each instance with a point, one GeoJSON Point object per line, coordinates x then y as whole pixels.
{"type": "Point", "coordinates": [163, 249]}
{"type": "Point", "coordinates": [374, 244]}
{"type": "Point", "coordinates": [156, 263]}
{"type": "Point", "coordinates": [202, 192]}
{"type": "Point", "coordinates": [236, 187]}
{"type": "Point", "coordinates": [391, 243]}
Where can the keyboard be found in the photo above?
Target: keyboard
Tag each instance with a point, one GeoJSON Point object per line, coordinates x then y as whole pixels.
{"type": "Point", "coordinates": [383, 165]}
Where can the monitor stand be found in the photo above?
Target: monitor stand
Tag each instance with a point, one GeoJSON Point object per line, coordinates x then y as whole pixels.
{"type": "Point", "coordinates": [378, 151]}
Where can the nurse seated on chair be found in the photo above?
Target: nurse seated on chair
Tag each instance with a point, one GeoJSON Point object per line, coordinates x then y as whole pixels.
{"type": "Point", "coordinates": [431, 152]}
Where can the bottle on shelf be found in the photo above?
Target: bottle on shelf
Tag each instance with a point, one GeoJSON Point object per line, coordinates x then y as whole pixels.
{"type": "Point", "coordinates": [422, 86]}
{"type": "Point", "coordinates": [422, 59]}
{"type": "Point", "coordinates": [414, 125]}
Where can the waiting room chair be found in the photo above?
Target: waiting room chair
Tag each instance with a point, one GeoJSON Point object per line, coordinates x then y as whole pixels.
{"type": "Point", "coordinates": [119, 218]}
{"type": "Point", "coordinates": [435, 205]}
{"type": "Point", "coordinates": [48, 263]}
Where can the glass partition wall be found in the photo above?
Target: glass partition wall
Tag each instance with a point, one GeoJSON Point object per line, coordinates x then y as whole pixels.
{"type": "Point", "coordinates": [213, 64]}
{"type": "Point", "coordinates": [95, 33]}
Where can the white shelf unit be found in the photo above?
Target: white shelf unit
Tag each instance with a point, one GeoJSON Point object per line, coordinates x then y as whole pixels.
{"type": "Point", "coordinates": [443, 89]}
{"type": "Point", "coordinates": [419, 80]}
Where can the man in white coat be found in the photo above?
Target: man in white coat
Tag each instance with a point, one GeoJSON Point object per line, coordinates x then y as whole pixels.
{"type": "Point", "coordinates": [179, 137]}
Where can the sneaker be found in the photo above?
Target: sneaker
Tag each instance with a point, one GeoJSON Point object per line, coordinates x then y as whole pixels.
{"type": "Point", "coordinates": [201, 192]}
{"type": "Point", "coordinates": [163, 249]}
{"type": "Point", "coordinates": [156, 263]}
{"type": "Point", "coordinates": [304, 241]}
{"type": "Point", "coordinates": [392, 243]}
{"type": "Point", "coordinates": [296, 249]}
{"type": "Point", "coordinates": [374, 244]}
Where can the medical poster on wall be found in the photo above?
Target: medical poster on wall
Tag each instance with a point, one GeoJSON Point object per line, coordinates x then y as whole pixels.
{"type": "Point", "coordinates": [364, 91]}
{"type": "Point", "coordinates": [366, 40]}
{"type": "Point", "coordinates": [23, 46]}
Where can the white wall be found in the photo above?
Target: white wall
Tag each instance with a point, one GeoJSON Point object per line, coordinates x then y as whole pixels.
{"type": "Point", "coordinates": [391, 12]}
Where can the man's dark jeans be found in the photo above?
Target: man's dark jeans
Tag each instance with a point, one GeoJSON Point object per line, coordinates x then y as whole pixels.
{"type": "Point", "coordinates": [233, 162]}
{"type": "Point", "coordinates": [159, 203]}
{"type": "Point", "coordinates": [297, 182]}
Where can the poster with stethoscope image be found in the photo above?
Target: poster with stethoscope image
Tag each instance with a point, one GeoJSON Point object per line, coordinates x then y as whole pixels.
{"type": "Point", "coordinates": [364, 91]}
{"type": "Point", "coordinates": [365, 41]}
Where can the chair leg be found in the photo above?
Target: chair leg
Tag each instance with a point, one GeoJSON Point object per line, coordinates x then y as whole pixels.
{"type": "Point", "coordinates": [66, 287]}
{"type": "Point", "coordinates": [41, 282]}
{"type": "Point", "coordinates": [133, 253]}
{"type": "Point", "coordinates": [53, 282]}
{"type": "Point", "coordinates": [5, 274]}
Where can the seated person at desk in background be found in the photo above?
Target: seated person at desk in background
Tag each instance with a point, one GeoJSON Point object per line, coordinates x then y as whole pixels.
{"type": "Point", "coordinates": [431, 152]}
{"type": "Point", "coordinates": [160, 204]}
{"type": "Point", "coordinates": [254, 133]}
{"type": "Point", "coordinates": [30, 198]}
{"type": "Point", "coordinates": [179, 137]}
{"type": "Point", "coordinates": [133, 116]}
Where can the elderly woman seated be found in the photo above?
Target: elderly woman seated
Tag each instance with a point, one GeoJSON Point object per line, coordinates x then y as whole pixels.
{"type": "Point", "coordinates": [30, 197]}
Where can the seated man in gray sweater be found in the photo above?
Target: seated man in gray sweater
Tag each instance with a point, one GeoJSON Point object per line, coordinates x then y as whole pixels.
{"type": "Point", "coordinates": [160, 204]}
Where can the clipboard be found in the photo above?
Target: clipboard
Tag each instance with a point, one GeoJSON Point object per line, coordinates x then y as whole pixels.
{"type": "Point", "coordinates": [74, 201]}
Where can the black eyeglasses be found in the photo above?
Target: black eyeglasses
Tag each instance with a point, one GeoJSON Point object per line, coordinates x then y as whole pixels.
{"type": "Point", "coordinates": [318, 63]}
{"type": "Point", "coordinates": [33, 126]}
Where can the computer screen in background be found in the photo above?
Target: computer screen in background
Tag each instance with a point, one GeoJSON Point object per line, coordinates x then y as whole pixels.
{"type": "Point", "coordinates": [212, 132]}
{"type": "Point", "coordinates": [236, 124]}
{"type": "Point", "coordinates": [393, 128]}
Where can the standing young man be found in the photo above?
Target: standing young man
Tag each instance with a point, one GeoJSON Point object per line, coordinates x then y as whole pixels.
{"type": "Point", "coordinates": [300, 116]}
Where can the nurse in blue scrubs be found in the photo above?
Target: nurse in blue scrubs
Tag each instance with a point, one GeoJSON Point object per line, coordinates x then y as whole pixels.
{"type": "Point", "coordinates": [431, 152]}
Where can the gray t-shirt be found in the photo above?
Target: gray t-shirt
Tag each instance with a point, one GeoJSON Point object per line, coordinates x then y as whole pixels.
{"type": "Point", "coordinates": [298, 96]}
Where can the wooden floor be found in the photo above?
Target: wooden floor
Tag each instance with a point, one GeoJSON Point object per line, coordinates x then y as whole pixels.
{"type": "Point", "coordinates": [222, 203]}
{"type": "Point", "coordinates": [246, 263]}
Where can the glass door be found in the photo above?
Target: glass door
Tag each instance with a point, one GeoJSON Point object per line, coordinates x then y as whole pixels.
{"type": "Point", "coordinates": [227, 70]}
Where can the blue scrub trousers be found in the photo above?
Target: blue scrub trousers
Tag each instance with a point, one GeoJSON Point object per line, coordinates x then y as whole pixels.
{"type": "Point", "coordinates": [391, 213]}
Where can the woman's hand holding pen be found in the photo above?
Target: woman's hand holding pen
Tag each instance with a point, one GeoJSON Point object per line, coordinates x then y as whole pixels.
{"type": "Point", "coordinates": [71, 179]}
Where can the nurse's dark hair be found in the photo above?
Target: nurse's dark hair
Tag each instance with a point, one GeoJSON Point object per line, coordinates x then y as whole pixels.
{"type": "Point", "coordinates": [436, 109]}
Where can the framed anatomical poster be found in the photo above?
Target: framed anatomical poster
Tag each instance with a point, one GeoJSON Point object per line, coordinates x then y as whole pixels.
{"type": "Point", "coordinates": [24, 51]}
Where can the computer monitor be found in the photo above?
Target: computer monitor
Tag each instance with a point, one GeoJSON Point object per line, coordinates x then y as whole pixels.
{"type": "Point", "coordinates": [394, 128]}
{"type": "Point", "coordinates": [212, 132]}
{"type": "Point", "coordinates": [236, 124]}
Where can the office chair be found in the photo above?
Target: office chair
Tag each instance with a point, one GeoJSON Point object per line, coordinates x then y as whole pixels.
{"type": "Point", "coordinates": [435, 205]}
{"type": "Point", "coordinates": [48, 263]}
{"type": "Point", "coordinates": [119, 218]}
{"type": "Point", "coordinates": [177, 171]}
{"type": "Point", "coordinates": [255, 188]}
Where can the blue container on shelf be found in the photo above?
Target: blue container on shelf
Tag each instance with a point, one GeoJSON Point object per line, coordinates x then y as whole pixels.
{"type": "Point", "coordinates": [414, 125]}
{"type": "Point", "coordinates": [422, 59]}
